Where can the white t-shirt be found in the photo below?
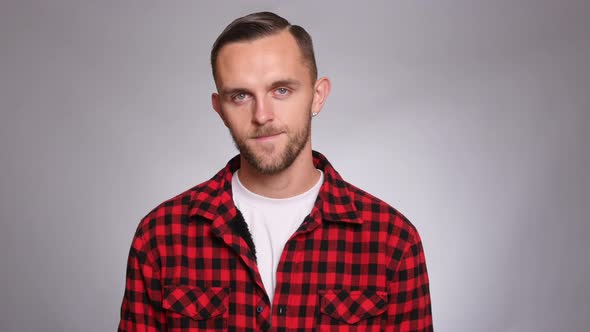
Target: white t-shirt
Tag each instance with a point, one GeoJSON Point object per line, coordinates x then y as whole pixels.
{"type": "Point", "coordinates": [271, 222]}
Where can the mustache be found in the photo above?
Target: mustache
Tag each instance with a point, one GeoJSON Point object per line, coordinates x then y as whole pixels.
{"type": "Point", "coordinates": [266, 131]}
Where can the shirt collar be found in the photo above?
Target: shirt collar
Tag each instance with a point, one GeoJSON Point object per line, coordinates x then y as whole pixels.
{"type": "Point", "coordinates": [213, 199]}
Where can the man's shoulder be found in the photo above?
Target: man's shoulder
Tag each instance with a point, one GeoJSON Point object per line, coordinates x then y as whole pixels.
{"type": "Point", "coordinates": [173, 210]}
{"type": "Point", "coordinates": [372, 209]}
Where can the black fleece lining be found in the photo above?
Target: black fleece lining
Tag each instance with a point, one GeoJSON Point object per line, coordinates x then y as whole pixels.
{"type": "Point", "coordinates": [239, 226]}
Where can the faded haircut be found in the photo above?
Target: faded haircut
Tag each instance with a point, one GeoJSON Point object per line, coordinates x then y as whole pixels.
{"type": "Point", "coordinates": [263, 24]}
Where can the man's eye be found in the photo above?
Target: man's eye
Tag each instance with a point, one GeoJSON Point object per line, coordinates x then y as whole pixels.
{"type": "Point", "coordinates": [240, 96]}
{"type": "Point", "coordinates": [282, 91]}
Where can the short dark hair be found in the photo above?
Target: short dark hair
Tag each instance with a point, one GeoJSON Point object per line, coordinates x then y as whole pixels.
{"type": "Point", "coordinates": [258, 25]}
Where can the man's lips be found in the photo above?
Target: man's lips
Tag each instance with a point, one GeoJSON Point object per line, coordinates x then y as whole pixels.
{"type": "Point", "coordinates": [267, 136]}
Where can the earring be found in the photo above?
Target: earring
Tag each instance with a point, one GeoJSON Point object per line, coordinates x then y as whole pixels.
{"type": "Point", "coordinates": [314, 114]}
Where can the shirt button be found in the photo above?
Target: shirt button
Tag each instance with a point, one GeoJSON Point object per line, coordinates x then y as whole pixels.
{"type": "Point", "coordinates": [260, 309]}
{"type": "Point", "coordinates": [282, 310]}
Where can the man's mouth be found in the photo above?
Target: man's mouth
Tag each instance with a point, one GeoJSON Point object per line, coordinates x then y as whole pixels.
{"type": "Point", "coordinates": [266, 137]}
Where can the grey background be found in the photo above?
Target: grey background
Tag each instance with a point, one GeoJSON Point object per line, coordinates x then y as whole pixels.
{"type": "Point", "coordinates": [470, 117]}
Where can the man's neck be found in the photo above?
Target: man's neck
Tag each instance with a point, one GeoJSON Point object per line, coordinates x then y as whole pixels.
{"type": "Point", "coordinates": [295, 180]}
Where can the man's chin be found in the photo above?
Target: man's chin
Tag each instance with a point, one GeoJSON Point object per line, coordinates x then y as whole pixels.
{"type": "Point", "coordinates": [268, 165]}
{"type": "Point", "coordinates": [270, 159]}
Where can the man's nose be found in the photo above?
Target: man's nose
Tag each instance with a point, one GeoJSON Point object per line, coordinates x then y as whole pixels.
{"type": "Point", "coordinates": [263, 111]}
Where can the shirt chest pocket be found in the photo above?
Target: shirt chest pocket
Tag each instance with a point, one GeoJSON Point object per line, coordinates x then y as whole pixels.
{"type": "Point", "coordinates": [195, 308]}
{"type": "Point", "coordinates": [356, 309]}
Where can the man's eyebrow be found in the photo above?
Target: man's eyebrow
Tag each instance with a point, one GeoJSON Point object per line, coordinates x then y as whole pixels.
{"type": "Point", "coordinates": [232, 91]}
{"type": "Point", "coordinates": [286, 82]}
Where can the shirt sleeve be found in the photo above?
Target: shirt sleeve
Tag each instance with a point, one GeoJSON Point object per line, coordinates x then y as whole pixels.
{"type": "Point", "coordinates": [410, 309]}
{"type": "Point", "coordinates": [141, 310]}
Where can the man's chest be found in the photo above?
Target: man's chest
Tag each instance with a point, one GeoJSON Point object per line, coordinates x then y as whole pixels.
{"type": "Point", "coordinates": [333, 276]}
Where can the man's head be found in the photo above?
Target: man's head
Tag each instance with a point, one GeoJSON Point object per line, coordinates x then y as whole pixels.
{"type": "Point", "coordinates": [267, 89]}
{"type": "Point", "coordinates": [259, 25]}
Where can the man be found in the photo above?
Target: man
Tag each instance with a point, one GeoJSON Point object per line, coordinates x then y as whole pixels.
{"type": "Point", "coordinates": [277, 239]}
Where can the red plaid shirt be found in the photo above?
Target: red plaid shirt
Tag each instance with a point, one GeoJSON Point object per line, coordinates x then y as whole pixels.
{"type": "Point", "coordinates": [354, 264]}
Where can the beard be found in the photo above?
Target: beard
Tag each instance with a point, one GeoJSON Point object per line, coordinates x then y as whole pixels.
{"type": "Point", "coordinates": [263, 161]}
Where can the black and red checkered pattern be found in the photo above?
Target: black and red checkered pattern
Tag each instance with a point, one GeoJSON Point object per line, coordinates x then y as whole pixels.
{"type": "Point", "coordinates": [351, 306]}
{"type": "Point", "coordinates": [354, 264]}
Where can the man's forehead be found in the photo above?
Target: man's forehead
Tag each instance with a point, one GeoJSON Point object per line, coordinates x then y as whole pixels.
{"type": "Point", "coordinates": [280, 41]}
{"type": "Point", "coordinates": [268, 59]}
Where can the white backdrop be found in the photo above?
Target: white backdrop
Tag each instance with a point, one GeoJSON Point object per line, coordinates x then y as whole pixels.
{"type": "Point", "coordinates": [470, 117]}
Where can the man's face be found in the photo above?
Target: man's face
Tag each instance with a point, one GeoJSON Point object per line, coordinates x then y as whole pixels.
{"type": "Point", "coordinates": [265, 97]}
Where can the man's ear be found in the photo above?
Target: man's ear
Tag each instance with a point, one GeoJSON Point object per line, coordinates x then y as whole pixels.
{"type": "Point", "coordinates": [217, 106]}
{"type": "Point", "coordinates": [321, 90]}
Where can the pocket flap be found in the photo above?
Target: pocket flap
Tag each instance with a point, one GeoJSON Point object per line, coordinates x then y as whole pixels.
{"type": "Point", "coordinates": [195, 302]}
{"type": "Point", "coordinates": [351, 306]}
